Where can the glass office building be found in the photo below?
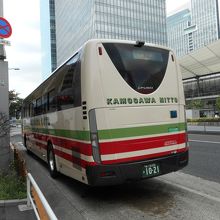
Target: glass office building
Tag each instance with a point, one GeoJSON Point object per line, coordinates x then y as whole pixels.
{"type": "Point", "coordinates": [78, 21]}
{"type": "Point", "coordinates": [48, 37]}
{"type": "Point", "coordinates": [193, 28]}
{"type": "Point", "coordinates": [176, 25]}
{"type": "Point", "coordinates": [206, 18]}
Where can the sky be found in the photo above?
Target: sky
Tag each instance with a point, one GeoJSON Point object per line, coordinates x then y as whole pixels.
{"type": "Point", "coordinates": [25, 50]}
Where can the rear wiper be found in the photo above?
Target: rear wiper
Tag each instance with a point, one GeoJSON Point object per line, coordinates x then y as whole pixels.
{"type": "Point", "coordinates": [139, 43]}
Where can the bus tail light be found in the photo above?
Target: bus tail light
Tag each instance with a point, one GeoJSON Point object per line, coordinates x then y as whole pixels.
{"type": "Point", "coordinates": [100, 51]}
{"type": "Point", "coordinates": [94, 136]}
{"type": "Point", "coordinates": [95, 147]}
{"type": "Point", "coordinates": [186, 135]}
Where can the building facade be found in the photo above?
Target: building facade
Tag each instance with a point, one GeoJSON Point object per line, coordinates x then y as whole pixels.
{"type": "Point", "coordinates": [79, 21]}
{"type": "Point", "coordinates": [203, 92]}
{"type": "Point", "coordinates": [176, 25]}
{"type": "Point", "coordinates": [193, 28]}
{"type": "Point", "coordinates": [48, 37]}
{"type": "Point", "coordinates": [205, 17]}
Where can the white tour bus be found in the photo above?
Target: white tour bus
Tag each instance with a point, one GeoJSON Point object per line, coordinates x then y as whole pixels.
{"type": "Point", "coordinates": [113, 112]}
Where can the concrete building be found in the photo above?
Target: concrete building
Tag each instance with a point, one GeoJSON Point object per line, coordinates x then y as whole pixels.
{"type": "Point", "coordinates": [195, 27]}
{"type": "Point", "coordinates": [78, 21]}
{"type": "Point", "coordinates": [48, 37]}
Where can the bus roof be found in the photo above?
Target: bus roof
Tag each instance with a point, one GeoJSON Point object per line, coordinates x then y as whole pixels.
{"type": "Point", "coordinates": [94, 41]}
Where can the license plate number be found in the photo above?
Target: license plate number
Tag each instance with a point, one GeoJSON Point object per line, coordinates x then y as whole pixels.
{"type": "Point", "coordinates": [151, 170]}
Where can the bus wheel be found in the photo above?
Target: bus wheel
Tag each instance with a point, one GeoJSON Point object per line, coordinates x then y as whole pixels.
{"type": "Point", "coordinates": [51, 162]}
{"type": "Point", "coordinates": [25, 144]}
{"type": "Point", "coordinates": [25, 141]}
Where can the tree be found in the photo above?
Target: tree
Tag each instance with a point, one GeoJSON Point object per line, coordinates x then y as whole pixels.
{"type": "Point", "coordinates": [195, 104]}
{"type": "Point", "coordinates": [15, 104]}
{"type": "Point", "coordinates": [218, 104]}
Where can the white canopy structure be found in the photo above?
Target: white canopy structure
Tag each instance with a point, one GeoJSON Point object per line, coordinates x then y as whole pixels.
{"type": "Point", "coordinates": [203, 61]}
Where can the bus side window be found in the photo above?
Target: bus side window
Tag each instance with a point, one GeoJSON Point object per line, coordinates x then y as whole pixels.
{"type": "Point", "coordinates": [44, 104]}
{"type": "Point", "coordinates": [34, 108]}
{"type": "Point", "coordinates": [70, 91]}
{"type": "Point", "coordinates": [29, 110]}
{"type": "Point", "coordinates": [38, 106]}
{"type": "Point", "coordinates": [52, 101]}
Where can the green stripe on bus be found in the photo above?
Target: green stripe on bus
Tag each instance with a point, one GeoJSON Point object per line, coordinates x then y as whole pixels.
{"type": "Point", "coordinates": [78, 135]}
{"type": "Point", "coordinates": [140, 131]}
{"type": "Point", "coordinates": [113, 133]}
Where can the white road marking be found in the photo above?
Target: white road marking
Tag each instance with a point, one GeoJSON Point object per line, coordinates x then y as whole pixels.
{"type": "Point", "coordinates": [210, 197]}
{"type": "Point", "coordinates": [211, 142]}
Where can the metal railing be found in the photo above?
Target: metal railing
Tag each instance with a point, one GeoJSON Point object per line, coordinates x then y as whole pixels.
{"type": "Point", "coordinates": [31, 184]}
{"type": "Point", "coordinates": [205, 127]}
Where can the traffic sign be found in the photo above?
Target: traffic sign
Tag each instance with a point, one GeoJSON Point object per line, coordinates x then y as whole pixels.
{"type": "Point", "coordinates": [5, 28]}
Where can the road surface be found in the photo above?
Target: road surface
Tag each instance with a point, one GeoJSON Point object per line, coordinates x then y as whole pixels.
{"type": "Point", "coordinates": [174, 196]}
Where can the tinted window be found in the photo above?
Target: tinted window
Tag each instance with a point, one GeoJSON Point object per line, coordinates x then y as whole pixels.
{"type": "Point", "coordinates": [69, 94]}
{"type": "Point", "coordinates": [33, 107]}
{"type": "Point", "coordinates": [52, 101]}
{"type": "Point", "coordinates": [38, 109]}
{"type": "Point", "coordinates": [143, 68]}
{"type": "Point", "coordinates": [44, 104]}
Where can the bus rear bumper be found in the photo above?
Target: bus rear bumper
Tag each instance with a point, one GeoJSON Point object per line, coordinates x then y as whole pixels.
{"type": "Point", "coordinates": [101, 175]}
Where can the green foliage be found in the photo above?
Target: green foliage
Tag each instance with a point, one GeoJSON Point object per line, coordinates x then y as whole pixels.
{"type": "Point", "coordinates": [204, 120]}
{"type": "Point", "coordinates": [11, 186]}
{"type": "Point", "coordinates": [15, 104]}
{"type": "Point", "coordinates": [218, 103]}
{"type": "Point", "coordinates": [195, 104]}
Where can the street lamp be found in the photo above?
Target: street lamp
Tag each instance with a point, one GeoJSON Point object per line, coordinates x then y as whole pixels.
{"type": "Point", "coordinates": [2, 82]}
{"type": "Point", "coordinates": [15, 68]}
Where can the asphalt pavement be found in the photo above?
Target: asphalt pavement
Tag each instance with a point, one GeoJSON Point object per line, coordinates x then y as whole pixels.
{"type": "Point", "coordinates": [204, 156]}
{"type": "Point", "coordinates": [9, 211]}
{"type": "Point", "coordinates": [174, 196]}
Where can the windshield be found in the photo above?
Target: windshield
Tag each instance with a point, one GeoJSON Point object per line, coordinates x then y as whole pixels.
{"type": "Point", "coordinates": [143, 68]}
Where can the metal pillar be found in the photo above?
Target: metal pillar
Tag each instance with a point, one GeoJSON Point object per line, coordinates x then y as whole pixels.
{"type": "Point", "coordinates": [4, 107]}
{"type": "Point", "coordinates": [198, 85]}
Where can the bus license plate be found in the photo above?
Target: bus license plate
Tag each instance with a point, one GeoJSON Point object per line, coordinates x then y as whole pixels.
{"type": "Point", "coordinates": [151, 170]}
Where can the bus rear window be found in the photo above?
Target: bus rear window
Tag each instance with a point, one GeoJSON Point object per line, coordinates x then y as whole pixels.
{"type": "Point", "coordinates": [143, 68]}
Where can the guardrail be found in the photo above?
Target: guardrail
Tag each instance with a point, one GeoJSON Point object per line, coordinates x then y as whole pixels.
{"type": "Point", "coordinates": [40, 205]}
{"type": "Point", "coordinates": [203, 127]}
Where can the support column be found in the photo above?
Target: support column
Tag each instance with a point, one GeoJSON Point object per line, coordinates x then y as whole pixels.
{"type": "Point", "coordinates": [4, 107]}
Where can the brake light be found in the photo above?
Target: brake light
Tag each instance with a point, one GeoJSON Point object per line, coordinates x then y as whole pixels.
{"type": "Point", "coordinates": [186, 134]}
{"type": "Point", "coordinates": [100, 51]}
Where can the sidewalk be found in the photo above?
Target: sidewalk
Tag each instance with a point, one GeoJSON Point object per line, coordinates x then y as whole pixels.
{"type": "Point", "coordinates": [9, 208]}
{"type": "Point", "coordinates": [9, 211]}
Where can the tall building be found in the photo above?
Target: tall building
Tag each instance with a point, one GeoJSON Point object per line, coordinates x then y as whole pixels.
{"type": "Point", "coordinates": [193, 28]}
{"type": "Point", "coordinates": [176, 25]}
{"type": "Point", "coordinates": [78, 21]}
{"type": "Point", "coordinates": [205, 16]}
{"type": "Point", "coordinates": [48, 37]}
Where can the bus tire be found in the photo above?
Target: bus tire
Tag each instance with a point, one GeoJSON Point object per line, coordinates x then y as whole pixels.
{"type": "Point", "coordinates": [25, 145]}
{"type": "Point", "coordinates": [25, 141]}
{"type": "Point", "coordinates": [51, 161]}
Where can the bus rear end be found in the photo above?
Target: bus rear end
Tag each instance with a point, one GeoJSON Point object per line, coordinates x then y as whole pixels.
{"type": "Point", "coordinates": [136, 113]}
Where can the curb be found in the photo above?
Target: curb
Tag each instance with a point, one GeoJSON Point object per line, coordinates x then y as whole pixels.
{"type": "Point", "coordinates": [12, 202]}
